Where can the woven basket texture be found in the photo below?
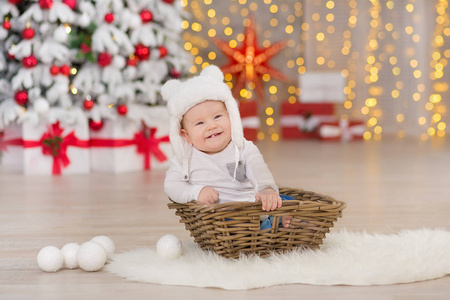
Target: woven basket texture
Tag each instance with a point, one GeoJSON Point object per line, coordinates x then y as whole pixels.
{"type": "Point", "coordinates": [233, 228]}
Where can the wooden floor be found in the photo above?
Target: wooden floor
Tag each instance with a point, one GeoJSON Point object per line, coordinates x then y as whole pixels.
{"type": "Point", "coordinates": [388, 186]}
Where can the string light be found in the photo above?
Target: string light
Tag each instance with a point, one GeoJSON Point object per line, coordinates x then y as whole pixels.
{"type": "Point", "coordinates": [438, 63]}
{"type": "Point", "coordinates": [390, 51]}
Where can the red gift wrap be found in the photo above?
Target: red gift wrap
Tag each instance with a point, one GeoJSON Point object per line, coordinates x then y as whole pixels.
{"type": "Point", "coordinates": [301, 120]}
{"type": "Point", "coordinates": [344, 130]}
{"type": "Point", "coordinates": [250, 119]}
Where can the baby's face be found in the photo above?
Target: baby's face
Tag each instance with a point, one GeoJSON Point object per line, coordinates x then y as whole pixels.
{"type": "Point", "coordinates": [207, 126]}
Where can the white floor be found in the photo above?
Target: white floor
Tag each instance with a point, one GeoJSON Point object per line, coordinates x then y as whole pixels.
{"type": "Point", "coordinates": [388, 186]}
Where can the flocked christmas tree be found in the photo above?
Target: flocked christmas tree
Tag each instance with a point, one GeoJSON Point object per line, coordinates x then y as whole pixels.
{"type": "Point", "coordinates": [104, 58]}
{"type": "Point", "coordinates": [42, 46]}
{"type": "Point", "coordinates": [9, 36]}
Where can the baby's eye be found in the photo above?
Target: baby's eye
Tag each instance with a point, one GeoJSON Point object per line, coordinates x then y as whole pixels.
{"type": "Point", "coordinates": [218, 116]}
{"type": "Point", "coordinates": [199, 123]}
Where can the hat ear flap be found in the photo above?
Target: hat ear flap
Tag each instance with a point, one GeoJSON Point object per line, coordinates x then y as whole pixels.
{"type": "Point", "coordinates": [213, 72]}
{"type": "Point", "coordinates": [169, 88]}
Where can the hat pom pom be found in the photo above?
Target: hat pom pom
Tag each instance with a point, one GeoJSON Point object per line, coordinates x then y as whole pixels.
{"type": "Point", "coordinates": [212, 71]}
{"type": "Point", "coordinates": [169, 88]}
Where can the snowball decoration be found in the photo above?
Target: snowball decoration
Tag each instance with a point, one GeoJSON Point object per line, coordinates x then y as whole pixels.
{"type": "Point", "coordinates": [41, 106]}
{"type": "Point", "coordinates": [119, 62]}
{"type": "Point", "coordinates": [169, 246]}
{"type": "Point", "coordinates": [70, 255]}
{"type": "Point", "coordinates": [107, 244]}
{"type": "Point", "coordinates": [60, 34]}
{"type": "Point", "coordinates": [50, 259]}
{"type": "Point", "coordinates": [91, 256]}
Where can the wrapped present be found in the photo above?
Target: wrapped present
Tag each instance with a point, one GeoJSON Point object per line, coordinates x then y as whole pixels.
{"type": "Point", "coordinates": [344, 130]}
{"type": "Point", "coordinates": [299, 120]}
{"type": "Point", "coordinates": [55, 148]}
{"type": "Point", "coordinates": [321, 87]}
{"type": "Point", "coordinates": [11, 147]}
{"type": "Point", "coordinates": [250, 119]}
{"type": "Point", "coordinates": [123, 145]}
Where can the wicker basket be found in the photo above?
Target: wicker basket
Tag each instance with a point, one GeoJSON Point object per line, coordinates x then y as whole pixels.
{"type": "Point", "coordinates": [234, 227]}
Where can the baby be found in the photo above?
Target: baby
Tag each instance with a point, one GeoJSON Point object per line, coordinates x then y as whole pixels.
{"type": "Point", "coordinates": [213, 162]}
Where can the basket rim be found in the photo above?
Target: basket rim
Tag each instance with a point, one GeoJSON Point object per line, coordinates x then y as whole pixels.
{"type": "Point", "coordinates": [328, 201]}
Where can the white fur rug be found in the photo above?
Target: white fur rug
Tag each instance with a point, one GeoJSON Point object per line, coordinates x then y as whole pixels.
{"type": "Point", "coordinates": [345, 258]}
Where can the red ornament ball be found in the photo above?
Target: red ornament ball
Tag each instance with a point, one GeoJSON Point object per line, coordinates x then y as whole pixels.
{"type": "Point", "coordinates": [54, 70]}
{"type": "Point", "coordinates": [14, 1]}
{"type": "Point", "coordinates": [29, 62]}
{"type": "Point", "coordinates": [28, 33]}
{"type": "Point", "coordinates": [175, 73]}
{"type": "Point", "coordinates": [146, 16]}
{"type": "Point", "coordinates": [142, 52]}
{"type": "Point", "coordinates": [122, 109]}
{"type": "Point", "coordinates": [168, 1]}
{"type": "Point", "coordinates": [70, 3]}
{"type": "Point", "coordinates": [46, 4]}
{"type": "Point", "coordinates": [21, 97]}
{"type": "Point", "coordinates": [65, 70]}
{"type": "Point", "coordinates": [104, 59]}
{"type": "Point", "coordinates": [88, 104]}
{"type": "Point", "coordinates": [95, 125]}
{"type": "Point", "coordinates": [162, 51]}
{"type": "Point", "coordinates": [7, 25]}
{"type": "Point", "coordinates": [109, 18]}
{"type": "Point", "coordinates": [132, 60]}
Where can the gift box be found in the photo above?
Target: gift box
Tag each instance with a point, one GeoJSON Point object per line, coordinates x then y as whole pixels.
{"type": "Point", "coordinates": [343, 130]}
{"type": "Point", "coordinates": [250, 119]}
{"type": "Point", "coordinates": [321, 87]}
{"type": "Point", "coordinates": [124, 145]}
{"type": "Point", "coordinates": [11, 147]}
{"type": "Point", "coordinates": [301, 120]}
{"type": "Point", "coordinates": [56, 148]}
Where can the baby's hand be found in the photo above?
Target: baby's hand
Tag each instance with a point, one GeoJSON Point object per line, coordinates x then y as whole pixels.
{"type": "Point", "coordinates": [270, 199]}
{"type": "Point", "coordinates": [208, 195]}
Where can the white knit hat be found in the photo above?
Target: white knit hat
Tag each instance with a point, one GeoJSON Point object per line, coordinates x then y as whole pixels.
{"type": "Point", "coordinates": [181, 96]}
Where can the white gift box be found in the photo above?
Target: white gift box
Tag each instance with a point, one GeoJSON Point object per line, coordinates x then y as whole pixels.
{"type": "Point", "coordinates": [125, 145]}
{"type": "Point", "coordinates": [36, 153]}
{"type": "Point", "coordinates": [11, 148]}
{"type": "Point", "coordinates": [321, 87]}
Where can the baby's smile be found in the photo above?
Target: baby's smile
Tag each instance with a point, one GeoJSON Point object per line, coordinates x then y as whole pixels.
{"type": "Point", "coordinates": [214, 135]}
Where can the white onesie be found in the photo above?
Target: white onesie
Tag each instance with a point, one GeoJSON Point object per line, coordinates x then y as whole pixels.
{"type": "Point", "coordinates": [217, 171]}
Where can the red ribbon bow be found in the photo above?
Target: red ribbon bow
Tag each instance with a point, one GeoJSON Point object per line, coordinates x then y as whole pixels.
{"type": "Point", "coordinates": [55, 145]}
{"type": "Point", "coordinates": [147, 143]}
